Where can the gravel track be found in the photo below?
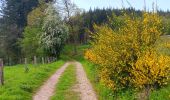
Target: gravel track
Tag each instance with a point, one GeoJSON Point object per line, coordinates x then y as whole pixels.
{"type": "Point", "coordinates": [83, 86]}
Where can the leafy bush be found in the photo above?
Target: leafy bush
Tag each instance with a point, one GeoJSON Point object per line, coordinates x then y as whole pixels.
{"type": "Point", "coordinates": [55, 32]}
{"type": "Point", "coordinates": [127, 56]}
{"type": "Point", "coordinates": [45, 34]}
{"type": "Point", "coordinates": [30, 43]}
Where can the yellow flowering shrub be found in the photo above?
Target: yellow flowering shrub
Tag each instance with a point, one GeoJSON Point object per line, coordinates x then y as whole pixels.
{"type": "Point", "coordinates": [124, 55]}
{"type": "Point", "coordinates": [151, 69]}
{"type": "Point", "coordinates": [89, 55]}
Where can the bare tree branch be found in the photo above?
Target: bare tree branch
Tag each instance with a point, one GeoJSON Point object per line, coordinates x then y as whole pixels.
{"type": "Point", "coordinates": [66, 8]}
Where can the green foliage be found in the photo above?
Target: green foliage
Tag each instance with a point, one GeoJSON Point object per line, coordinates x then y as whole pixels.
{"type": "Point", "coordinates": [30, 43]}
{"type": "Point", "coordinates": [160, 94]}
{"type": "Point", "coordinates": [15, 19]}
{"type": "Point", "coordinates": [45, 33]}
{"type": "Point", "coordinates": [20, 85]}
{"type": "Point", "coordinates": [166, 22]}
{"type": "Point", "coordinates": [116, 22]}
{"type": "Point", "coordinates": [36, 16]}
{"type": "Point", "coordinates": [163, 49]}
{"type": "Point", "coordinates": [31, 36]}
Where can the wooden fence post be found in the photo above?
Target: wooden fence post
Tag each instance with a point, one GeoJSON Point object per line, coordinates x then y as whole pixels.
{"type": "Point", "coordinates": [26, 66]}
{"type": "Point", "coordinates": [48, 59]}
{"type": "Point", "coordinates": [10, 61]}
{"type": "Point", "coordinates": [42, 60]}
{"type": "Point", "coordinates": [20, 60]}
{"type": "Point", "coordinates": [1, 72]}
{"type": "Point", "coordinates": [35, 60]}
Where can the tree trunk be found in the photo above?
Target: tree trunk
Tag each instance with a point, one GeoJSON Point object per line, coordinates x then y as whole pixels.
{"type": "Point", "coordinates": [26, 66]}
{"type": "Point", "coordinates": [75, 46]}
{"type": "Point", "coordinates": [10, 61]}
{"type": "Point", "coordinates": [1, 72]}
{"type": "Point", "coordinates": [42, 60]}
{"type": "Point", "coordinates": [74, 40]}
{"type": "Point", "coordinates": [35, 60]}
{"type": "Point", "coordinates": [20, 61]}
{"type": "Point", "coordinates": [148, 89]}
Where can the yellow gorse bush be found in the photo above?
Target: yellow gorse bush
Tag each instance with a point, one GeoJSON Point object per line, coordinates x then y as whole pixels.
{"type": "Point", "coordinates": [151, 69]}
{"type": "Point", "coordinates": [126, 56]}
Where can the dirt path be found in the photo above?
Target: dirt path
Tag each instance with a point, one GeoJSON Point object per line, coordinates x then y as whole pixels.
{"type": "Point", "coordinates": [84, 86]}
{"type": "Point", "coordinates": [48, 89]}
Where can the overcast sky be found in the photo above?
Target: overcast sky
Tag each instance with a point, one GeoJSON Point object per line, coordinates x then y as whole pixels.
{"type": "Point", "coordinates": [138, 4]}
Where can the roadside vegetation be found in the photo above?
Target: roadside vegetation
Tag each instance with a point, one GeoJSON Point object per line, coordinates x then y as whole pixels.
{"type": "Point", "coordinates": [103, 92]}
{"type": "Point", "coordinates": [127, 57]}
{"type": "Point", "coordinates": [20, 85]}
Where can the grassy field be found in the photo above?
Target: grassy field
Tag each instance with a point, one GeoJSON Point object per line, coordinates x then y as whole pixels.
{"type": "Point", "coordinates": [64, 89]}
{"type": "Point", "coordinates": [161, 48]}
{"type": "Point", "coordinates": [20, 85]}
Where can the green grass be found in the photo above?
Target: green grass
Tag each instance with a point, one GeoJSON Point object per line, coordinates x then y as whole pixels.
{"type": "Point", "coordinates": [161, 48]}
{"type": "Point", "coordinates": [68, 54]}
{"type": "Point", "coordinates": [161, 94]}
{"type": "Point", "coordinates": [20, 85]}
{"type": "Point", "coordinates": [64, 89]}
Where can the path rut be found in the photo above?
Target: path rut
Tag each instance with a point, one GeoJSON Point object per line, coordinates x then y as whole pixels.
{"type": "Point", "coordinates": [48, 89]}
{"type": "Point", "coordinates": [84, 86]}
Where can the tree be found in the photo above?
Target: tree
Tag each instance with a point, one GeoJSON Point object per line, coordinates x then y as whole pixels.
{"type": "Point", "coordinates": [30, 42]}
{"type": "Point", "coordinates": [67, 8]}
{"type": "Point", "coordinates": [54, 33]}
{"type": "Point", "coordinates": [78, 30]}
{"type": "Point", "coordinates": [13, 22]}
